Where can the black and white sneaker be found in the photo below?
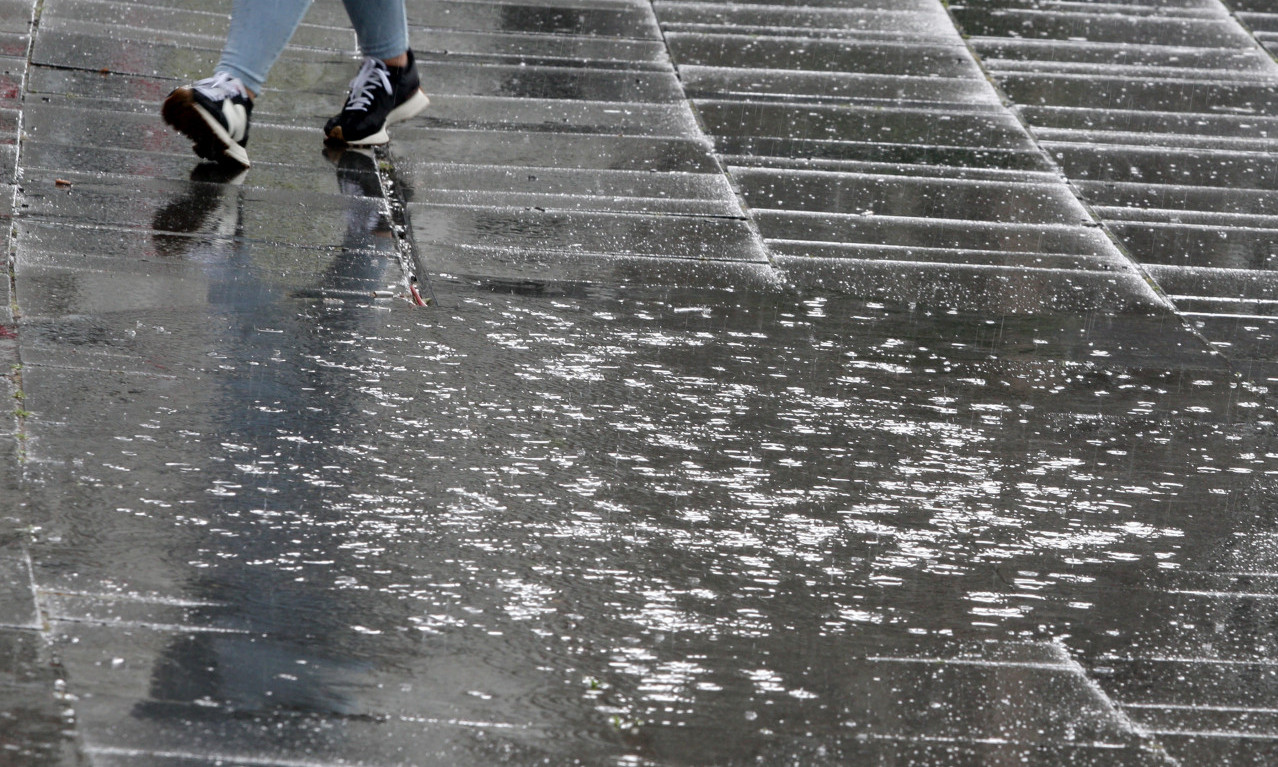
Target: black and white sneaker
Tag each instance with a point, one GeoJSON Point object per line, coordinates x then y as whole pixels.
{"type": "Point", "coordinates": [213, 113]}
{"type": "Point", "coordinates": [379, 96]}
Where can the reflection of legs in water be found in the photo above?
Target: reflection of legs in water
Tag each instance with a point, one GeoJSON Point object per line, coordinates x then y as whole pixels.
{"type": "Point", "coordinates": [271, 641]}
{"type": "Point", "coordinates": [195, 212]}
{"type": "Point", "coordinates": [214, 112]}
{"type": "Point", "coordinates": [357, 174]}
{"type": "Point", "coordinates": [200, 223]}
{"type": "Point", "coordinates": [372, 230]}
{"type": "Point", "coordinates": [368, 249]}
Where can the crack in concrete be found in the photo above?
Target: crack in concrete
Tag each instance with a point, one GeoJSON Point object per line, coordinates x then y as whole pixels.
{"type": "Point", "coordinates": [395, 207]}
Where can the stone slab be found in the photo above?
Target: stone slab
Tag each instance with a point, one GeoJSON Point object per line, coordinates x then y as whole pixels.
{"type": "Point", "coordinates": [832, 87]}
{"type": "Point", "coordinates": [300, 219]}
{"type": "Point", "coordinates": [927, 127]}
{"type": "Point", "coordinates": [934, 199]}
{"type": "Point", "coordinates": [932, 233]}
{"type": "Point", "coordinates": [1246, 97]}
{"type": "Point", "coordinates": [524, 115]}
{"type": "Point", "coordinates": [848, 21]}
{"type": "Point", "coordinates": [919, 59]}
{"type": "Point", "coordinates": [557, 150]}
{"type": "Point", "coordinates": [586, 190]}
{"type": "Point", "coordinates": [975, 288]}
{"type": "Point", "coordinates": [1201, 27]}
{"type": "Point", "coordinates": [606, 235]}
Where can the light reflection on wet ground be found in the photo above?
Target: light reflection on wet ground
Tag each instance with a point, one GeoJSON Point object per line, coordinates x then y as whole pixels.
{"type": "Point", "coordinates": [621, 497]}
{"type": "Point", "coordinates": [668, 524]}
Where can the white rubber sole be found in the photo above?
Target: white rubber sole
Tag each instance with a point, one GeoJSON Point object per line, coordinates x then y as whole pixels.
{"type": "Point", "coordinates": [409, 109]}
{"type": "Point", "coordinates": [232, 148]}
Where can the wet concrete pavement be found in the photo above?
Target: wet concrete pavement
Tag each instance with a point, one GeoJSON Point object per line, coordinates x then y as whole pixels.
{"type": "Point", "coordinates": [868, 383]}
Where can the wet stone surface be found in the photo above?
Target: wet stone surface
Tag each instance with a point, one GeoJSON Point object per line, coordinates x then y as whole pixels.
{"type": "Point", "coordinates": [1163, 119]}
{"type": "Point", "coordinates": [545, 169]}
{"type": "Point", "coordinates": [459, 533]}
{"type": "Point", "coordinates": [842, 432]}
{"type": "Point", "coordinates": [845, 114]}
{"type": "Point", "coordinates": [1261, 18]}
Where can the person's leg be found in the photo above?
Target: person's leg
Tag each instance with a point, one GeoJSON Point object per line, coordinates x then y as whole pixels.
{"type": "Point", "coordinates": [214, 112]}
{"type": "Point", "coordinates": [259, 31]}
{"type": "Point", "coordinates": [381, 27]}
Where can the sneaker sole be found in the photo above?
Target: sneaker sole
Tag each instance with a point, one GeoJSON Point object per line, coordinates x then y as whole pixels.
{"type": "Point", "coordinates": [409, 109]}
{"type": "Point", "coordinates": [212, 142]}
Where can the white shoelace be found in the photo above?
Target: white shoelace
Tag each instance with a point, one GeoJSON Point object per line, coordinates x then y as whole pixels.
{"type": "Point", "coordinates": [371, 74]}
{"type": "Point", "coordinates": [221, 86]}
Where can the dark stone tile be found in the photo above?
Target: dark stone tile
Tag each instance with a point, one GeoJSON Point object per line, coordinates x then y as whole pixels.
{"type": "Point", "coordinates": [33, 720]}
{"type": "Point", "coordinates": [1175, 199]}
{"type": "Point", "coordinates": [1207, 246]}
{"type": "Point", "coordinates": [904, 255]}
{"type": "Point", "coordinates": [920, 59]}
{"type": "Point", "coordinates": [927, 127]}
{"type": "Point", "coordinates": [586, 190]}
{"type": "Point", "coordinates": [550, 82]}
{"type": "Point", "coordinates": [1205, 167]}
{"type": "Point", "coordinates": [999, 291]}
{"type": "Point", "coordinates": [15, 17]}
{"type": "Point", "coordinates": [551, 273]}
{"type": "Point", "coordinates": [1243, 339]}
{"type": "Point", "coordinates": [1245, 97]}
{"type": "Point", "coordinates": [1189, 31]}
{"type": "Point", "coordinates": [1190, 681]}
{"type": "Point", "coordinates": [552, 150]}
{"type": "Point", "coordinates": [172, 210]}
{"type": "Point", "coordinates": [701, 82]}
{"type": "Point", "coordinates": [78, 162]}
{"type": "Point", "coordinates": [17, 596]}
{"type": "Point", "coordinates": [498, 230]}
{"type": "Point", "coordinates": [1227, 724]}
{"type": "Point", "coordinates": [908, 197]}
{"type": "Point", "coordinates": [532, 47]}
{"type": "Point", "coordinates": [605, 20]}
{"type": "Point", "coordinates": [933, 233]}
{"type": "Point", "coordinates": [833, 155]}
{"type": "Point", "coordinates": [1001, 693]}
{"type": "Point", "coordinates": [293, 142]}
{"type": "Point", "coordinates": [521, 115]}
{"type": "Point", "coordinates": [1148, 54]}
{"type": "Point", "coordinates": [920, 23]}
{"type": "Point", "coordinates": [1134, 120]}
{"type": "Point", "coordinates": [1219, 747]}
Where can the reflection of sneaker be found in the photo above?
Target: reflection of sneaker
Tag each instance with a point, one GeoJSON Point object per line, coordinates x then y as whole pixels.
{"type": "Point", "coordinates": [357, 179]}
{"type": "Point", "coordinates": [213, 113]}
{"type": "Point", "coordinates": [379, 96]}
{"type": "Point", "coordinates": [216, 173]}
{"type": "Point", "coordinates": [201, 208]}
{"type": "Point", "coordinates": [356, 171]}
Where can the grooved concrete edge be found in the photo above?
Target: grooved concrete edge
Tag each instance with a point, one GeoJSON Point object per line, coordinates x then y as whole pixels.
{"type": "Point", "coordinates": [747, 215]}
{"type": "Point", "coordinates": [1153, 287]}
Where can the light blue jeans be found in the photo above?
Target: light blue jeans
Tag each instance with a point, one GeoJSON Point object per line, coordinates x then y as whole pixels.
{"type": "Point", "coordinates": [261, 28]}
